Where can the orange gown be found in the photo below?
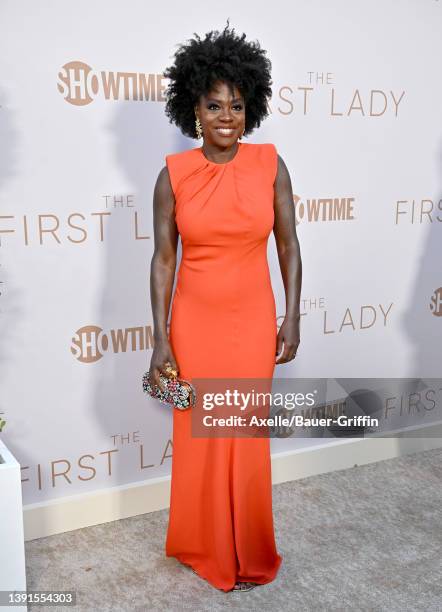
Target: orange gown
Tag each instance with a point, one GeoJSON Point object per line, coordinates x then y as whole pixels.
{"type": "Point", "coordinates": [223, 324]}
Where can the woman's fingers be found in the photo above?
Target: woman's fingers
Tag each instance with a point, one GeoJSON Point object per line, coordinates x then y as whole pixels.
{"type": "Point", "coordinates": [173, 364]}
{"type": "Point", "coordinates": [278, 345]}
{"type": "Point", "coordinates": [157, 371]}
{"type": "Point", "coordinates": [154, 378]}
{"type": "Point", "coordinates": [288, 354]}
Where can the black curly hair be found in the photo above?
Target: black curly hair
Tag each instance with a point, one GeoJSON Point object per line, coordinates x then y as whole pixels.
{"type": "Point", "coordinates": [219, 56]}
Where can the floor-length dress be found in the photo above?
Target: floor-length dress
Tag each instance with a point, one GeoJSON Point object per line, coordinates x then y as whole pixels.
{"type": "Point", "coordinates": [223, 324]}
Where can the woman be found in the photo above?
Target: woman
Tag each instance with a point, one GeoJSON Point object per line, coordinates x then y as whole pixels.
{"type": "Point", "coordinates": [223, 198]}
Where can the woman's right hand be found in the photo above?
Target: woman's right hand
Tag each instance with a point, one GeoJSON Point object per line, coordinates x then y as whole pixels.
{"type": "Point", "coordinates": [162, 353]}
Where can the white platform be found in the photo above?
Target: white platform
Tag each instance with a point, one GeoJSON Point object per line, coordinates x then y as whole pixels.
{"type": "Point", "coordinates": [12, 551]}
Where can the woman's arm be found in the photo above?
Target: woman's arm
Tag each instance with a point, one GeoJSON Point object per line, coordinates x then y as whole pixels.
{"type": "Point", "coordinates": [162, 272]}
{"type": "Point", "coordinates": [289, 256]}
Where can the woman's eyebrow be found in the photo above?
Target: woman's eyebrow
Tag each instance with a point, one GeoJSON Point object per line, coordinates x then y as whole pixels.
{"type": "Point", "coordinates": [220, 101]}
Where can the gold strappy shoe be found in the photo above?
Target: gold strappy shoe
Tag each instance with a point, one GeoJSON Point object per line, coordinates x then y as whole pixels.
{"type": "Point", "coordinates": [239, 586]}
{"type": "Point", "coordinates": [244, 586]}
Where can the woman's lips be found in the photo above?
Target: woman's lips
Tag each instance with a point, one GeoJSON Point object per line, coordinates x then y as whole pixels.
{"type": "Point", "coordinates": [225, 131]}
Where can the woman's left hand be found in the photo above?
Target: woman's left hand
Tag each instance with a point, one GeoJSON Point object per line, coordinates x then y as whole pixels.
{"type": "Point", "coordinates": [289, 336]}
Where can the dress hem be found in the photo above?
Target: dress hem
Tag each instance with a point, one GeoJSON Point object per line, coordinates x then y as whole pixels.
{"type": "Point", "coordinates": [242, 579]}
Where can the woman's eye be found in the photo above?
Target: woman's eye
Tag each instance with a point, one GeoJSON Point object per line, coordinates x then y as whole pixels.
{"type": "Point", "coordinates": [237, 106]}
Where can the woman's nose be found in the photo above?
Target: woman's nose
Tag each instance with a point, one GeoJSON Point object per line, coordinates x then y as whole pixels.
{"type": "Point", "coordinates": [226, 115]}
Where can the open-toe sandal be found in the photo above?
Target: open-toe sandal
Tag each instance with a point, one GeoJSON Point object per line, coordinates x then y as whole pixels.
{"type": "Point", "coordinates": [244, 586]}
{"type": "Point", "coordinates": [239, 586]}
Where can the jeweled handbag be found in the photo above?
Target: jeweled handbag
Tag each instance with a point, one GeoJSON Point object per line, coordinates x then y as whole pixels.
{"type": "Point", "coordinates": [179, 392]}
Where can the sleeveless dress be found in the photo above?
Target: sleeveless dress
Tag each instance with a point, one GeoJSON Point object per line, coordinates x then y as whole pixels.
{"type": "Point", "coordinates": [223, 324]}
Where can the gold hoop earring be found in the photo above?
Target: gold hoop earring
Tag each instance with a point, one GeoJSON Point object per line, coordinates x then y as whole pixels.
{"type": "Point", "coordinates": [198, 128]}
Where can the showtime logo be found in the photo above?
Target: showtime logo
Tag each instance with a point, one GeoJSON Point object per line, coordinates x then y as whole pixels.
{"type": "Point", "coordinates": [90, 342]}
{"type": "Point", "coordinates": [436, 303]}
{"type": "Point", "coordinates": [79, 84]}
{"type": "Point", "coordinates": [323, 209]}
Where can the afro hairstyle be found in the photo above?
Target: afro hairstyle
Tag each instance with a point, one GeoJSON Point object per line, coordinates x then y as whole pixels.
{"type": "Point", "coordinates": [223, 57]}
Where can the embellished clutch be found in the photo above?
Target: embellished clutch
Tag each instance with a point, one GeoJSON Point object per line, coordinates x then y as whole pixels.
{"type": "Point", "coordinates": [178, 392]}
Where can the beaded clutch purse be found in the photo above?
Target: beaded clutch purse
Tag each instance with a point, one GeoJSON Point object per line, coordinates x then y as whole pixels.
{"type": "Point", "coordinates": [178, 392]}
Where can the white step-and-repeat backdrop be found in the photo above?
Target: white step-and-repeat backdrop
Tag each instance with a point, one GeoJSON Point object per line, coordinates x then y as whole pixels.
{"type": "Point", "coordinates": [355, 114]}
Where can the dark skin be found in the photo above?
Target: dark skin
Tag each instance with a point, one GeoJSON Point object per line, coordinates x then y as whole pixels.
{"type": "Point", "coordinates": [224, 106]}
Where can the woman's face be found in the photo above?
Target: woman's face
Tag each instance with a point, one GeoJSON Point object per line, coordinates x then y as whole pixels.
{"type": "Point", "coordinates": [222, 115]}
